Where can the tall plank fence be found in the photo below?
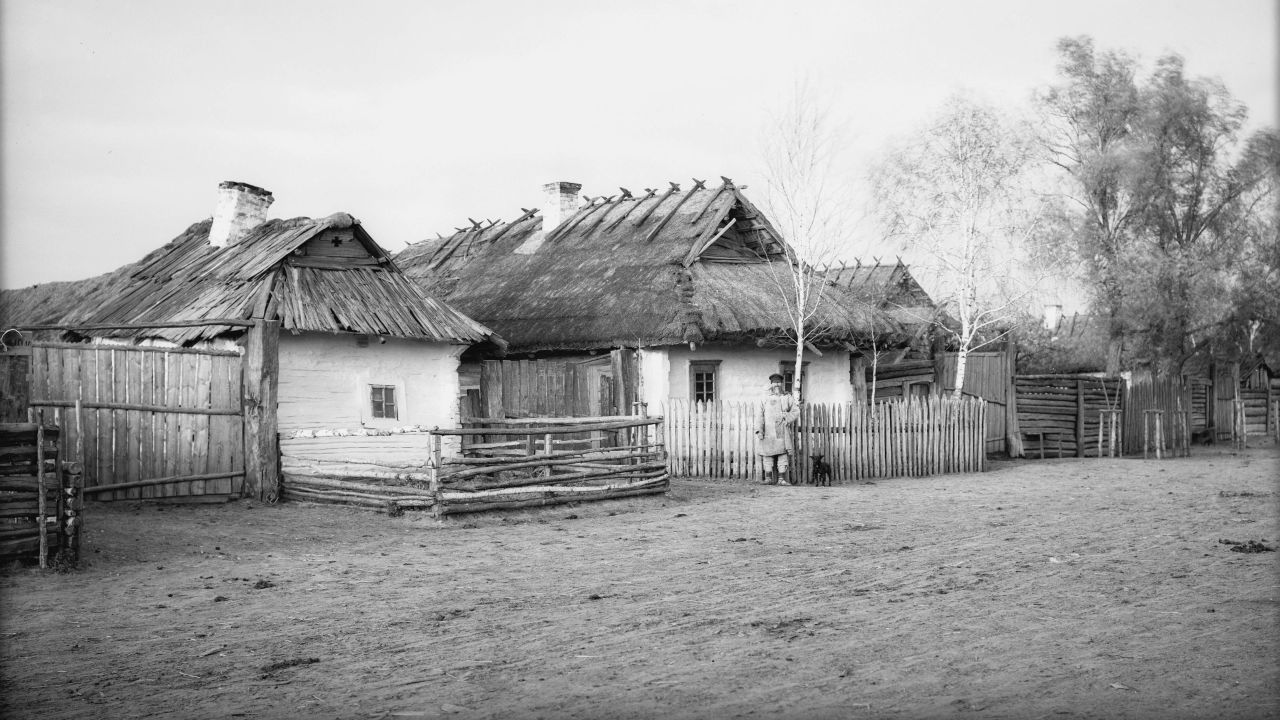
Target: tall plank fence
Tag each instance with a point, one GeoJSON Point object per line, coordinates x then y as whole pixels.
{"type": "Point", "coordinates": [152, 422]}
{"type": "Point", "coordinates": [1168, 397]}
{"type": "Point", "coordinates": [897, 438]}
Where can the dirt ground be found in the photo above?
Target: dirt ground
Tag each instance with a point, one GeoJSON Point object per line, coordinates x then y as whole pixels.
{"type": "Point", "coordinates": [1046, 589]}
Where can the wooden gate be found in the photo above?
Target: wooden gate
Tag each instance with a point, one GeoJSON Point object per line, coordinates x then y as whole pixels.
{"type": "Point", "coordinates": [146, 422]}
{"type": "Point", "coordinates": [988, 375]}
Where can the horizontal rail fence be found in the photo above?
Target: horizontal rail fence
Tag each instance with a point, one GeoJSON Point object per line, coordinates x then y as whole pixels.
{"type": "Point", "coordinates": [40, 502]}
{"type": "Point", "coordinates": [1061, 415]}
{"type": "Point", "coordinates": [150, 422]}
{"type": "Point", "coordinates": [898, 438]}
{"type": "Point", "coordinates": [502, 464]}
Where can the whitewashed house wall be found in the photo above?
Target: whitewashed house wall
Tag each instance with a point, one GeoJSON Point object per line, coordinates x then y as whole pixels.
{"type": "Point", "coordinates": [744, 372]}
{"type": "Point", "coordinates": [325, 379]}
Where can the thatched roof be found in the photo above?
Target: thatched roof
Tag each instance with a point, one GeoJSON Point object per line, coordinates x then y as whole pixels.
{"type": "Point", "coordinates": [893, 288]}
{"type": "Point", "coordinates": [662, 268]}
{"type": "Point", "coordinates": [324, 275]}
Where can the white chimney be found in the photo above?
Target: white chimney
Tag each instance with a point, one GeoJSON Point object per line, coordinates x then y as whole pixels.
{"type": "Point", "coordinates": [561, 201]}
{"type": "Point", "coordinates": [241, 207]}
{"type": "Point", "coordinates": [1052, 316]}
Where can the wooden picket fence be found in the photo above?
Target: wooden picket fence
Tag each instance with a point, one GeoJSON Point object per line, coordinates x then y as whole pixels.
{"type": "Point", "coordinates": [898, 438]}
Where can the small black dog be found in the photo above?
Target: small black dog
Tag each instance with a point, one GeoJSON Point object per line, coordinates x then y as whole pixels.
{"type": "Point", "coordinates": [821, 471]}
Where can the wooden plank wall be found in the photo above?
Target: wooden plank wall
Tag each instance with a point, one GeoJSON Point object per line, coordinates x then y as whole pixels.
{"type": "Point", "coordinates": [1058, 415]}
{"type": "Point", "coordinates": [897, 438]}
{"type": "Point", "coordinates": [559, 387]}
{"type": "Point", "coordinates": [15, 367]}
{"type": "Point", "coordinates": [143, 440]}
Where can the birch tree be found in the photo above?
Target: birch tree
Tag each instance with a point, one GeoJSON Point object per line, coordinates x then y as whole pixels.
{"type": "Point", "coordinates": [954, 193]}
{"type": "Point", "coordinates": [808, 203]}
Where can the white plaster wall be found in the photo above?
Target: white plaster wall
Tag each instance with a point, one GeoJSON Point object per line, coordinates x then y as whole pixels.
{"type": "Point", "coordinates": [745, 371]}
{"type": "Point", "coordinates": [655, 371]}
{"type": "Point", "coordinates": [324, 381]}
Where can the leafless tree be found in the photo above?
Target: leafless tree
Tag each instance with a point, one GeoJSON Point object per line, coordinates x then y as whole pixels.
{"type": "Point", "coordinates": [808, 202]}
{"type": "Point", "coordinates": [956, 193]}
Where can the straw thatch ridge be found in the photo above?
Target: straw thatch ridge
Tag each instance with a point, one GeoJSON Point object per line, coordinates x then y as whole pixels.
{"type": "Point", "coordinates": [297, 271]}
{"type": "Point", "coordinates": [666, 267]}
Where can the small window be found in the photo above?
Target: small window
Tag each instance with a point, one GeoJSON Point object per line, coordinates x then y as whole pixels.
{"type": "Point", "coordinates": [788, 370]}
{"type": "Point", "coordinates": [383, 401]}
{"type": "Point", "coordinates": [704, 380]}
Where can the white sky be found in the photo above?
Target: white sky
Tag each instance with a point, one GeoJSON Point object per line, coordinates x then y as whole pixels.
{"type": "Point", "coordinates": [121, 117]}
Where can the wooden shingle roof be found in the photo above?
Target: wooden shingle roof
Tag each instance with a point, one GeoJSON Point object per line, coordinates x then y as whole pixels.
{"type": "Point", "coordinates": [325, 275]}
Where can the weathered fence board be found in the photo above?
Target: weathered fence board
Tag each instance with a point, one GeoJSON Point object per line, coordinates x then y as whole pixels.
{"type": "Point", "coordinates": [151, 419]}
{"type": "Point", "coordinates": [904, 437]}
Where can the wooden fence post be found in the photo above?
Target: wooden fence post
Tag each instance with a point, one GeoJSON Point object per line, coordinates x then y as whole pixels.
{"type": "Point", "coordinates": [261, 443]}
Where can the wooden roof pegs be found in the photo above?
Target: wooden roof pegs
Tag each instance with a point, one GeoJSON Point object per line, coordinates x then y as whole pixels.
{"type": "Point", "coordinates": [582, 214]}
{"type": "Point", "coordinates": [601, 217]}
{"type": "Point", "coordinates": [649, 192]}
{"type": "Point", "coordinates": [528, 213]}
{"type": "Point", "coordinates": [674, 188]}
{"type": "Point", "coordinates": [716, 196]}
{"type": "Point", "coordinates": [670, 214]}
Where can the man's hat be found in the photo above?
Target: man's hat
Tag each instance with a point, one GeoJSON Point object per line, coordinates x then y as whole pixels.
{"type": "Point", "coordinates": [775, 378]}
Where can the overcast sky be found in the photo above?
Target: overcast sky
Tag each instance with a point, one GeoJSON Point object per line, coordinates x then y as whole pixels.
{"type": "Point", "coordinates": [121, 117]}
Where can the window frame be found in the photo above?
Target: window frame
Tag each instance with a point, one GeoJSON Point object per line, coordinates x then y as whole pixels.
{"type": "Point", "coordinates": [374, 404]}
{"type": "Point", "coordinates": [787, 369]}
{"type": "Point", "coordinates": [711, 367]}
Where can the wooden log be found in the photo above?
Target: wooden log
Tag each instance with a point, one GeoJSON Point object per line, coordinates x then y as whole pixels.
{"type": "Point", "coordinates": [17, 547]}
{"type": "Point", "coordinates": [298, 494]}
{"type": "Point", "coordinates": [649, 470]}
{"type": "Point", "coordinates": [614, 425]}
{"type": "Point", "coordinates": [563, 478]}
{"type": "Point", "coordinates": [157, 482]}
{"type": "Point", "coordinates": [261, 374]}
{"type": "Point", "coordinates": [466, 507]}
{"type": "Point", "coordinates": [348, 470]}
{"type": "Point", "coordinates": [536, 461]}
{"type": "Point", "coordinates": [24, 484]}
{"type": "Point", "coordinates": [29, 506]}
{"type": "Point", "coordinates": [291, 478]}
{"type": "Point", "coordinates": [18, 528]}
{"type": "Point", "coordinates": [40, 498]}
{"type": "Point", "coordinates": [372, 495]}
{"type": "Point", "coordinates": [584, 454]}
{"type": "Point", "coordinates": [24, 433]}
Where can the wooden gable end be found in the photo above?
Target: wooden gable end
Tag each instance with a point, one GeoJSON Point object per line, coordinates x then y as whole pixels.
{"type": "Point", "coordinates": [904, 289]}
{"type": "Point", "coordinates": [740, 235]}
{"type": "Point", "coordinates": [335, 249]}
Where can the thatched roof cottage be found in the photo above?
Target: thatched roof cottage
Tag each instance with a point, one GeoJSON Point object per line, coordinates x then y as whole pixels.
{"type": "Point", "coordinates": [686, 279]}
{"type": "Point", "coordinates": [360, 344]}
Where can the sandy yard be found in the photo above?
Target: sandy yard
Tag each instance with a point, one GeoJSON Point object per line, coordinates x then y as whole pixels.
{"type": "Point", "coordinates": [1054, 589]}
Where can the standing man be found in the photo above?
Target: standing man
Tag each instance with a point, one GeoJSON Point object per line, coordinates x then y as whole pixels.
{"type": "Point", "coordinates": [774, 421]}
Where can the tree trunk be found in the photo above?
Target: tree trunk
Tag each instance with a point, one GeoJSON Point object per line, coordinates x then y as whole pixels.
{"type": "Point", "coordinates": [962, 359]}
{"type": "Point", "coordinates": [799, 368]}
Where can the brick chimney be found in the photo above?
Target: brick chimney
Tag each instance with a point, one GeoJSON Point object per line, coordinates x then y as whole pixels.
{"type": "Point", "coordinates": [241, 207]}
{"type": "Point", "coordinates": [560, 202]}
